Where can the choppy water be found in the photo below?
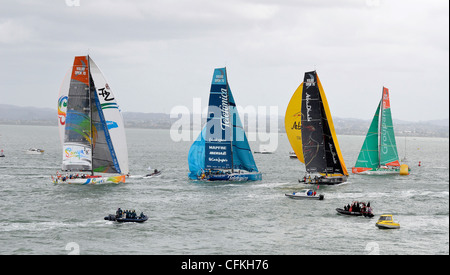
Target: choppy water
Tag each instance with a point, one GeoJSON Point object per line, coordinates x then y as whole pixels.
{"type": "Point", "coordinates": [187, 217]}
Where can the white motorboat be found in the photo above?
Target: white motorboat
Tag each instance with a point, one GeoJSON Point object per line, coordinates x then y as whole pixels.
{"type": "Point", "coordinates": [34, 151]}
{"type": "Point", "coordinates": [305, 194]}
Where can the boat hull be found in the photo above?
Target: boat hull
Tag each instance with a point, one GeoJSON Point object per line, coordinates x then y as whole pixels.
{"type": "Point", "coordinates": [376, 171]}
{"type": "Point", "coordinates": [325, 180]}
{"type": "Point", "coordinates": [34, 152]}
{"type": "Point", "coordinates": [92, 180]}
{"type": "Point", "coordinates": [304, 197]}
{"type": "Point", "coordinates": [234, 177]}
{"type": "Point", "coordinates": [387, 225]}
{"type": "Point", "coordinates": [153, 175]}
{"type": "Point", "coordinates": [112, 217]}
{"type": "Point", "coordinates": [357, 214]}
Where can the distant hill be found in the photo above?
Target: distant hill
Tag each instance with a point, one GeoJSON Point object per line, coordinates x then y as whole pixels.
{"type": "Point", "coordinates": [10, 114]}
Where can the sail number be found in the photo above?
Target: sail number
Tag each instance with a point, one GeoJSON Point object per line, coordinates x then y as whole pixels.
{"type": "Point", "coordinates": [105, 94]}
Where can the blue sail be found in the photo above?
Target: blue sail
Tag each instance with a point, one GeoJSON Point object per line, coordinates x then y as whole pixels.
{"type": "Point", "coordinates": [222, 144]}
{"type": "Point", "coordinates": [242, 154]}
{"type": "Point", "coordinates": [196, 156]}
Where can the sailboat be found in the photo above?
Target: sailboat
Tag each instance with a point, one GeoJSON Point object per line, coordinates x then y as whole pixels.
{"type": "Point", "coordinates": [91, 128]}
{"type": "Point", "coordinates": [310, 131]}
{"type": "Point", "coordinates": [222, 152]}
{"type": "Point", "coordinates": [379, 154]}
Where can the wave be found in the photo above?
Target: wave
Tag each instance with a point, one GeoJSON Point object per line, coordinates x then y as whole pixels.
{"type": "Point", "coordinates": [44, 226]}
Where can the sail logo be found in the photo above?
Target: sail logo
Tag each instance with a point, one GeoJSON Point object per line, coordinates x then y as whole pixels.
{"type": "Point", "coordinates": [79, 154]}
{"type": "Point", "coordinates": [308, 107]}
{"type": "Point", "coordinates": [105, 94]}
{"type": "Point", "coordinates": [333, 152]}
{"type": "Point", "coordinates": [219, 160]}
{"type": "Point", "coordinates": [310, 81]}
{"type": "Point", "coordinates": [225, 109]}
{"type": "Point", "coordinates": [386, 104]}
{"type": "Point", "coordinates": [111, 124]}
{"type": "Point", "coordinates": [384, 145]}
{"type": "Point", "coordinates": [62, 108]}
{"type": "Point", "coordinates": [296, 126]}
{"type": "Point", "coordinates": [80, 71]}
{"type": "Point", "coordinates": [219, 79]}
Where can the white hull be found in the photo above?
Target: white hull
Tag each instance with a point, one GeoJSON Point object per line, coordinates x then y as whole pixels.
{"type": "Point", "coordinates": [86, 181]}
{"type": "Point", "coordinates": [380, 172]}
{"type": "Point", "coordinates": [304, 197]}
{"type": "Point", "coordinates": [34, 152]}
{"type": "Point", "coordinates": [303, 194]}
{"type": "Point", "coordinates": [387, 226]}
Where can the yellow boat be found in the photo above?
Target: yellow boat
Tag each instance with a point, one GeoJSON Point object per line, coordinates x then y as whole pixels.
{"type": "Point", "coordinates": [386, 222]}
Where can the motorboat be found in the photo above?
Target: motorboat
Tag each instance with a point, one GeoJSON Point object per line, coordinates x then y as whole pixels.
{"type": "Point", "coordinates": [34, 151]}
{"type": "Point", "coordinates": [352, 213]}
{"type": "Point", "coordinates": [386, 222]}
{"type": "Point", "coordinates": [111, 217]}
{"type": "Point", "coordinates": [305, 194]}
{"type": "Point", "coordinates": [292, 155]}
{"type": "Point", "coordinates": [153, 175]}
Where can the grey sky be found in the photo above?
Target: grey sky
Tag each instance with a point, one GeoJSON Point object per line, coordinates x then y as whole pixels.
{"type": "Point", "coordinates": [157, 54]}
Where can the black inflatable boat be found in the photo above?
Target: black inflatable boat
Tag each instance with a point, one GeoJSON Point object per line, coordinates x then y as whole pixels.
{"type": "Point", "coordinates": [345, 212]}
{"type": "Point", "coordinates": [113, 218]}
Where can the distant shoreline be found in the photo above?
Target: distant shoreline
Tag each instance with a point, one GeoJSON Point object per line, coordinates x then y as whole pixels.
{"type": "Point", "coordinates": [127, 126]}
{"type": "Point", "coordinates": [16, 115]}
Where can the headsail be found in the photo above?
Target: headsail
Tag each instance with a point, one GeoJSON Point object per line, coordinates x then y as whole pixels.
{"type": "Point", "coordinates": [368, 156]}
{"type": "Point", "coordinates": [196, 156]}
{"type": "Point", "coordinates": [242, 154]}
{"type": "Point", "coordinates": [110, 151]}
{"type": "Point", "coordinates": [62, 105]}
{"type": "Point", "coordinates": [292, 122]}
{"type": "Point", "coordinates": [335, 160]}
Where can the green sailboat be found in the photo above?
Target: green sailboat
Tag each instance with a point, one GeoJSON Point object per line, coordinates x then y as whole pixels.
{"type": "Point", "coordinates": [379, 153]}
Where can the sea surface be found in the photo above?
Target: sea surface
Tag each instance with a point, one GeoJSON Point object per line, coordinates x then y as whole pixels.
{"type": "Point", "coordinates": [190, 217]}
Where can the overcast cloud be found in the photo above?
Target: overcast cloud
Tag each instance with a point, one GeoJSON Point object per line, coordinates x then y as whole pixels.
{"type": "Point", "coordinates": [157, 54]}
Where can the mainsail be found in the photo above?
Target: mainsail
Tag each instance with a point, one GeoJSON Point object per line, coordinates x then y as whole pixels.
{"type": "Point", "coordinates": [379, 149]}
{"type": "Point", "coordinates": [219, 127]}
{"type": "Point", "coordinates": [94, 134]}
{"type": "Point", "coordinates": [310, 129]}
{"type": "Point", "coordinates": [222, 143]}
{"type": "Point", "coordinates": [388, 146]}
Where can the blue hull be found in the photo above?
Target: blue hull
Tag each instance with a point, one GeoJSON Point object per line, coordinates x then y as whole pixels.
{"type": "Point", "coordinates": [235, 177]}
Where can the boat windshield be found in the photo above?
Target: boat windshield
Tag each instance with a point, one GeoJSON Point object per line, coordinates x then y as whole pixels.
{"type": "Point", "coordinates": [385, 218]}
